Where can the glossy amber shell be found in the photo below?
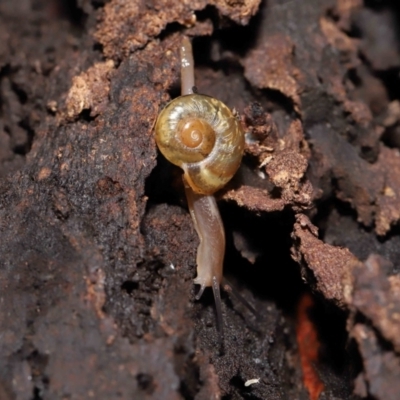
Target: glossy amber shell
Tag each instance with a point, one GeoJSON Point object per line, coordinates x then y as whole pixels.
{"type": "Point", "coordinates": [201, 135]}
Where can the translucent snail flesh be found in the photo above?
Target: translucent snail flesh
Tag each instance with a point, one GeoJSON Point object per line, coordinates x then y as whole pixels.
{"type": "Point", "coordinates": [203, 137]}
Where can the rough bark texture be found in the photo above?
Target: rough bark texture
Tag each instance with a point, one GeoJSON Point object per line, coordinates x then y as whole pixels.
{"type": "Point", "coordinates": [97, 249]}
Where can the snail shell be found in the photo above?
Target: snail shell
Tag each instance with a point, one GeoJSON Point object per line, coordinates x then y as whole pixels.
{"type": "Point", "coordinates": [201, 135]}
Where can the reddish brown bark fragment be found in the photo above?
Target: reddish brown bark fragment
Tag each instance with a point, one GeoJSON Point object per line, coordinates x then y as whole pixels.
{"type": "Point", "coordinates": [89, 91]}
{"type": "Point", "coordinates": [278, 71]}
{"type": "Point", "coordinates": [254, 199]}
{"type": "Point", "coordinates": [128, 26]}
{"type": "Point", "coordinates": [377, 296]}
{"type": "Point", "coordinates": [331, 266]}
{"type": "Point", "coordinates": [382, 367]}
{"type": "Point", "coordinates": [388, 199]}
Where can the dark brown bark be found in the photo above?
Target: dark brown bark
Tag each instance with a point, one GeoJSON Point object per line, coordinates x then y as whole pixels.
{"type": "Point", "coordinates": [97, 250]}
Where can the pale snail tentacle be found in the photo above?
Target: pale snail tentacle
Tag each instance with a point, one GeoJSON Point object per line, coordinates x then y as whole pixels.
{"type": "Point", "coordinates": [187, 67]}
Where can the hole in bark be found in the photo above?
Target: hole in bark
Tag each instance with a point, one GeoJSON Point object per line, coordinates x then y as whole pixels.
{"type": "Point", "coordinates": [391, 137]}
{"type": "Point", "coordinates": [331, 325]}
{"type": "Point", "coordinates": [228, 36]}
{"type": "Point", "coordinates": [98, 47]}
{"type": "Point", "coordinates": [170, 29]}
{"type": "Point", "coordinates": [129, 286]}
{"type": "Point", "coordinates": [354, 77]}
{"type": "Point", "coordinates": [37, 394]}
{"type": "Point", "coordinates": [368, 153]}
{"type": "Point", "coordinates": [175, 90]}
{"type": "Point", "coordinates": [99, 3]}
{"type": "Point", "coordinates": [85, 116]}
{"type": "Point", "coordinates": [21, 94]}
{"type": "Point", "coordinates": [145, 382]}
{"type": "Point", "coordinates": [377, 5]}
{"type": "Point", "coordinates": [187, 368]}
{"type": "Point", "coordinates": [391, 80]}
{"type": "Point", "coordinates": [164, 184]}
{"type": "Point", "coordinates": [274, 275]}
{"type": "Point", "coordinates": [24, 147]}
{"type": "Point", "coordinates": [38, 363]}
{"type": "Point", "coordinates": [279, 99]}
{"type": "Point", "coordinates": [70, 10]}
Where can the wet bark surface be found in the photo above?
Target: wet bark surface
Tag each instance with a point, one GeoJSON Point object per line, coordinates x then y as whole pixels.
{"type": "Point", "coordinates": [98, 251]}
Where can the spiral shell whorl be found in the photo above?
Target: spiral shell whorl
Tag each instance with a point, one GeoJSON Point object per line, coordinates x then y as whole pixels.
{"type": "Point", "coordinates": [201, 135]}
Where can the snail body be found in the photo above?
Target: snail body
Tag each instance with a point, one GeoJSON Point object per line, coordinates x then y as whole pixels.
{"type": "Point", "coordinates": [201, 135]}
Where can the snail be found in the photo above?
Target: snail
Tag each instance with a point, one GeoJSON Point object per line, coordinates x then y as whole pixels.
{"type": "Point", "coordinates": [205, 139]}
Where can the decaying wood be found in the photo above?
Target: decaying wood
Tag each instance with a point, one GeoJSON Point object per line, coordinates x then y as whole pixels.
{"type": "Point", "coordinates": [97, 250]}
